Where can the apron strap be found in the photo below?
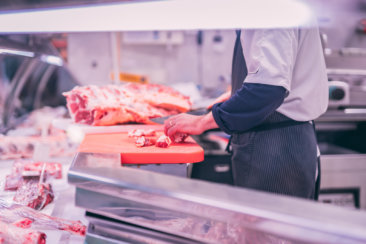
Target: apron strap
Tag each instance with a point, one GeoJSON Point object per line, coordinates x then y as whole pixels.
{"type": "Point", "coordinates": [239, 72]}
{"type": "Point", "coordinates": [318, 177]}
{"type": "Point", "coordinates": [239, 69]}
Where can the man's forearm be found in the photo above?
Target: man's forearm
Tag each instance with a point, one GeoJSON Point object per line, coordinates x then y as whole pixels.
{"type": "Point", "coordinates": [208, 122]}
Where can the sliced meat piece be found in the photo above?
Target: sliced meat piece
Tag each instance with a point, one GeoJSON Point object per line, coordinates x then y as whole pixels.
{"type": "Point", "coordinates": [141, 132]}
{"type": "Point", "coordinates": [12, 213]}
{"type": "Point", "coordinates": [52, 169]}
{"type": "Point", "coordinates": [33, 194]}
{"type": "Point", "coordinates": [179, 137]}
{"type": "Point", "coordinates": [13, 180]}
{"type": "Point", "coordinates": [24, 223]}
{"type": "Point", "coordinates": [25, 169]}
{"type": "Point", "coordinates": [10, 233]}
{"type": "Point", "coordinates": [143, 141]}
{"type": "Point", "coordinates": [163, 141]}
{"type": "Point", "coordinates": [75, 227]}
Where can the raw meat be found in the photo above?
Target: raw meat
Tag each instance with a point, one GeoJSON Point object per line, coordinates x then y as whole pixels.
{"type": "Point", "coordinates": [52, 169]}
{"type": "Point", "coordinates": [141, 132]}
{"type": "Point", "coordinates": [26, 169]}
{"type": "Point", "coordinates": [39, 122]}
{"type": "Point", "coordinates": [34, 194]}
{"type": "Point", "coordinates": [118, 104]}
{"type": "Point", "coordinates": [37, 129]}
{"type": "Point", "coordinates": [179, 137]}
{"type": "Point", "coordinates": [12, 234]}
{"type": "Point", "coordinates": [24, 223]}
{"type": "Point", "coordinates": [15, 212]}
{"type": "Point", "coordinates": [160, 96]}
{"type": "Point", "coordinates": [13, 180]}
{"type": "Point", "coordinates": [13, 147]}
{"type": "Point", "coordinates": [163, 141]}
{"type": "Point", "coordinates": [143, 141]}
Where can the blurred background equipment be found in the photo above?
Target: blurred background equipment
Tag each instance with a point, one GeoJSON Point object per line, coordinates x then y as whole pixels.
{"type": "Point", "coordinates": [33, 75]}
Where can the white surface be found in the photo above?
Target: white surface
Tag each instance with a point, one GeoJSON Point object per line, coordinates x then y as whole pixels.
{"type": "Point", "coordinates": [159, 15]}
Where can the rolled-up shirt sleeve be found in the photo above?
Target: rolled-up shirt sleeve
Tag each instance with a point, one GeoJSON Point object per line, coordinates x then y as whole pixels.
{"type": "Point", "coordinates": [248, 107]}
{"type": "Point", "coordinates": [270, 56]}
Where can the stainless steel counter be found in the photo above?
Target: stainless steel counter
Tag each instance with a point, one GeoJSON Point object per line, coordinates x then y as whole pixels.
{"type": "Point", "coordinates": [197, 211]}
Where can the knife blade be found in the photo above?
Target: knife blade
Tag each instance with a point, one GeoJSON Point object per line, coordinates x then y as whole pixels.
{"type": "Point", "coordinates": [198, 111]}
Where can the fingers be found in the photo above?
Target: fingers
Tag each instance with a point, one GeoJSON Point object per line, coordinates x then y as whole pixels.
{"type": "Point", "coordinates": [168, 124]}
{"type": "Point", "coordinates": [172, 125]}
{"type": "Point", "coordinates": [171, 131]}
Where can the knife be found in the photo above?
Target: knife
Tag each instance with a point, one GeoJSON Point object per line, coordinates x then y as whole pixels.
{"type": "Point", "coordinates": [198, 111]}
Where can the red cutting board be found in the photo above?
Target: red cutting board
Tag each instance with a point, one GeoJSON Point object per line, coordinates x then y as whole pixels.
{"type": "Point", "coordinates": [186, 152]}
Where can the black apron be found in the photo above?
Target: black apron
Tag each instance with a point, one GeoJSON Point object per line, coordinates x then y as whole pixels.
{"type": "Point", "coordinates": [279, 155]}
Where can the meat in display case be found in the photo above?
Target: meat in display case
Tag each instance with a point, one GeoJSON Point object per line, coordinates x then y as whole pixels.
{"type": "Point", "coordinates": [132, 205]}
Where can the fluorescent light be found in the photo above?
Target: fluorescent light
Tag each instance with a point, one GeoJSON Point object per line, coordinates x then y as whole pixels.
{"type": "Point", "coordinates": [16, 52]}
{"type": "Point", "coordinates": [355, 111]}
{"type": "Point", "coordinates": [50, 59]}
{"type": "Point", "coordinates": [160, 15]}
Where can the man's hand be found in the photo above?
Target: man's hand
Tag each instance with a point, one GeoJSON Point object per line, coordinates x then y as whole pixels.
{"type": "Point", "coordinates": [189, 124]}
{"type": "Point", "coordinates": [225, 96]}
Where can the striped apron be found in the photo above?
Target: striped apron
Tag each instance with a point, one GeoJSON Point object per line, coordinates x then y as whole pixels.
{"type": "Point", "coordinates": [279, 155]}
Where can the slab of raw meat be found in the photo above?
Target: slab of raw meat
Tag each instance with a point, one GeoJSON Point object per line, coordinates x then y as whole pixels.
{"type": "Point", "coordinates": [160, 96]}
{"type": "Point", "coordinates": [34, 194]}
{"type": "Point", "coordinates": [15, 212]}
{"type": "Point", "coordinates": [119, 104]}
{"type": "Point", "coordinates": [10, 233]}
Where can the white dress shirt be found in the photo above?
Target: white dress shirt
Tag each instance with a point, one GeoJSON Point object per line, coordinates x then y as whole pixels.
{"type": "Point", "coordinates": [291, 58]}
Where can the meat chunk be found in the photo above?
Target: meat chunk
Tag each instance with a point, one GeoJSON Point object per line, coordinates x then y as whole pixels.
{"type": "Point", "coordinates": [118, 104]}
{"type": "Point", "coordinates": [10, 233]}
{"type": "Point", "coordinates": [10, 214]}
{"type": "Point", "coordinates": [16, 147]}
{"type": "Point", "coordinates": [51, 170]}
{"type": "Point", "coordinates": [75, 227]}
{"type": "Point", "coordinates": [143, 141]}
{"type": "Point", "coordinates": [13, 180]}
{"type": "Point", "coordinates": [141, 132]}
{"type": "Point", "coordinates": [34, 194]}
{"type": "Point", "coordinates": [24, 223]}
{"type": "Point", "coordinates": [179, 137]}
{"type": "Point", "coordinates": [163, 141]}
{"type": "Point", "coordinates": [24, 168]}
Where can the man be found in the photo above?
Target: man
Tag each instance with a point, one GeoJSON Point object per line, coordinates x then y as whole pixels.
{"type": "Point", "coordinates": [277, 90]}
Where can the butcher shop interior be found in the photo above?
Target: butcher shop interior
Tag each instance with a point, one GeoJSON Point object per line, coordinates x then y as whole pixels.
{"type": "Point", "coordinates": [121, 121]}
